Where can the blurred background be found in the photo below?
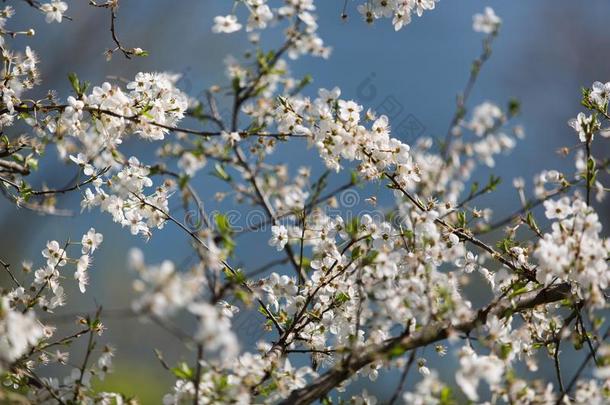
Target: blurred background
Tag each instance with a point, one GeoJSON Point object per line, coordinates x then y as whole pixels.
{"type": "Point", "coordinates": [547, 51]}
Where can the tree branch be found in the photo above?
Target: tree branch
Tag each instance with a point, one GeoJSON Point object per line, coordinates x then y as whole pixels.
{"type": "Point", "coordinates": [428, 334]}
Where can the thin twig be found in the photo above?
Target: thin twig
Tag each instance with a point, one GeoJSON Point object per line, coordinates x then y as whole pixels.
{"type": "Point", "coordinates": [197, 378]}
{"type": "Point", "coordinates": [403, 378]}
{"type": "Point", "coordinates": [581, 368]}
{"type": "Point", "coordinates": [426, 335]}
{"type": "Point", "coordinates": [222, 261]}
{"type": "Point", "coordinates": [7, 267]}
{"type": "Point", "coordinates": [139, 120]}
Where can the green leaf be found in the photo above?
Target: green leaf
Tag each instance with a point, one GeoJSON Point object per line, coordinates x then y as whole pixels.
{"type": "Point", "coordinates": [493, 182]}
{"type": "Point", "coordinates": [238, 277]}
{"type": "Point", "coordinates": [31, 163]}
{"type": "Point", "coordinates": [25, 191]}
{"type": "Point", "coordinates": [305, 81]}
{"type": "Point", "coordinates": [586, 100]}
{"type": "Point", "coordinates": [255, 128]}
{"type": "Point", "coordinates": [352, 226]}
{"type": "Point", "coordinates": [224, 229]}
{"type": "Point", "coordinates": [341, 298]}
{"type": "Point", "coordinates": [220, 172]}
{"type": "Point", "coordinates": [505, 350]}
{"type": "Point", "coordinates": [222, 224]}
{"type": "Point", "coordinates": [262, 311]}
{"type": "Point", "coordinates": [183, 181]}
{"type": "Point", "coordinates": [183, 371]}
{"type": "Point", "coordinates": [446, 397]}
{"type": "Point", "coordinates": [518, 288]}
{"type": "Point", "coordinates": [243, 296]}
{"type": "Point", "coordinates": [74, 81]}
{"type": "Point", "coordinates": [531, 222]}
{"type": "Point", "coordinates": [260, 90]}
{"type": "Point", "coordinates": [461, 219]}
{"type": "Point", "coordinates": [474, 188]}
{"type": "Point", "coordinates": [266, 390]}
{"type": "Point", "coordinates": [78, 87]}
{"type": "Point", "coordinates": [370, 258]}
{"type": "Point", "coordinates": [261, 58]}
{"type": "Point", "coordinates": [506, 244]}
{"type": "Point", "coordinates": [514, 107]}
{"type": "Point", "coordinates": [396, 352]}
{"type": "Point", "coordinates": [235, 85]}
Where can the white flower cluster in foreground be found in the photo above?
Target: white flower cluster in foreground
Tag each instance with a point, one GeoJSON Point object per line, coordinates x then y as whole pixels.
{"type": "Point", "coordinates": [574, 250]}
{"type": "Point", "coordinates": [19, 332]}
{"type": "Point", "coordinates": [24, 337]}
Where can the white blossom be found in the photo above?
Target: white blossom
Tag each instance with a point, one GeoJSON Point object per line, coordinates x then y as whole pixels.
{"type": "Point", "coordinates": [279, 236]}
{"type": "Point", "coordinates": [487, 22]}
{"type": "Point", "coordinates": [54, 10]}
{"type": "Point", "coordinates": [226, 24]}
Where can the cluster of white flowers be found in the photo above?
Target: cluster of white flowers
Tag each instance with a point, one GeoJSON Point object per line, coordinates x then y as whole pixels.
{"type": "Point", "coordinates": [152, 105]}
{"type": "Point", "coordinates": [49, 275]}
{"type": "Point", "coordinates": [18, 333]}
{"type": "Point", "coordinates": [214, 330]}
{"type": "Point", "coordinates": [596, 99]}
{"type": "Point", "coordinates": [123, 196]}
{"type": "Point", "coordinates": [400, 285]}
{"type": "Point", "coordinates": [163, 291]}
{"type": "Point", "coordinates": [447, 174]}
{"type": "Point", "coordinates": [335, 128]}
{"type": "Point", "coordinates": [574, 250]}
{"type": "Point", "coordinates": [486, 119]}
{"type": "Point", "coordinates": [428, 391]}
{"type": "Point", "coordinates": [474, 368]}
{"type": "Point", "coordinates": [27, 342]}
{"type": "Point", "coordinates": [191, 163]}
{"type": "Point", "coordinates": [88, 130]}
{"type": "Point", "coordinates": [19, 73]}
{"type": "Point", "coordinates": [79, 383]}
{"type": "Point", "coordinates": [235, 383]}
{"type": "Point", "coordinates": [400, 11]}
{"type": "Point", "coordinates": [600, 93]}
{"type": "Point", "coordinates": [262, 15]}
{"type": "Point", "coordinates": [303, 32]}
{"type": "Point", "coordinates": [585, 126]}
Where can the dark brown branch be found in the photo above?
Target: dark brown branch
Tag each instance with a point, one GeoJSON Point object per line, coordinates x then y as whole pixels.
{"type": "Point", "coordinates": [581, 368]}
{"type": "Point", "coordinates": [139, 120]}
{"type": "Point", "coordinates": [428, 334]}
{"type": "Point", "coordinates": [13, 167]}
{"type": "Point", "coordinates": [197, 377]}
